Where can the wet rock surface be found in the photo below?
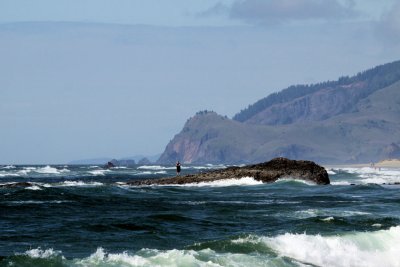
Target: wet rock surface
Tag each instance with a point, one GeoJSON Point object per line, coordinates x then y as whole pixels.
{"type": "Point", "coordinates": [266, 172]}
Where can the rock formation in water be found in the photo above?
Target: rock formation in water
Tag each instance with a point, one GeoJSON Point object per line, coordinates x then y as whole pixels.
{"type": "Point", "coordinates": [266, 172]}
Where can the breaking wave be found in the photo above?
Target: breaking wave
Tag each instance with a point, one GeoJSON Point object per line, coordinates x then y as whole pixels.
{"type": "Point", "coordinates": [293, 180]}
{"type": "Point", "coordinates": [155, 167]}
{"type": "Point", "coordinates": [366, 175]}
{"type": "Point", "coordinates": [380, 248]}
{"type": "Point", "coordinates": [224, 182]}
{"type": "Point", "coordinates": [99, 172]}
{"type": "Point", "coordinates": [368, 249]}
{"type": "Point", "coordinates": [48, 170]}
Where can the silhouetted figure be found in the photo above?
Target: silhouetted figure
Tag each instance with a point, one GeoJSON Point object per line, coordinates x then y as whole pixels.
{"type": "Point", "coordinates": [178, 168]}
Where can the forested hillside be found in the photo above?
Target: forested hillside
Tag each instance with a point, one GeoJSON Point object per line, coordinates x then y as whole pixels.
{"type": "Point", "coordinates": [365, 82]}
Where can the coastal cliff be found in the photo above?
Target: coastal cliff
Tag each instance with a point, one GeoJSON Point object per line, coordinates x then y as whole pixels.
{"type": "Point", "coordinates": [351, 120]}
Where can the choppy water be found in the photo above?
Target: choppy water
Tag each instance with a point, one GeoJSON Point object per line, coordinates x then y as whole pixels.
{"type": "Point", "coordinates": [87, 216]}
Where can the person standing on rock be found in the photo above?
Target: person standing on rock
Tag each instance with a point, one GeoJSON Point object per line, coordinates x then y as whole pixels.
{"type": "Point", "coordinates": [178, 168]}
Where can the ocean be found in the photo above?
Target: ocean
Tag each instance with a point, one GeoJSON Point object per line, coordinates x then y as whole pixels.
{"type": "Point", "coordinates": [66, 215]}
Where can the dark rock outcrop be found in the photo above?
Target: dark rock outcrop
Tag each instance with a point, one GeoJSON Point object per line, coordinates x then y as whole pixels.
{"type": "Point", "coordinates": [266, 172]}
{"type": "Point", "coordinates": [109, 165]}
{"type": "Point", "coordinates": [16, 184]}
{"type": "Point", "coordinates": [120, 163]}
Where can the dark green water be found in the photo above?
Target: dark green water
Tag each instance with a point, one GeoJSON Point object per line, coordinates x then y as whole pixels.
{"type": "Point", "coordinates": [86, 216]}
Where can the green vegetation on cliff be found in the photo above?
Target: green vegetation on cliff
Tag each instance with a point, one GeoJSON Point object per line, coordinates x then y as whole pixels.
{"type": "Point", "coordinates": [373, 79]}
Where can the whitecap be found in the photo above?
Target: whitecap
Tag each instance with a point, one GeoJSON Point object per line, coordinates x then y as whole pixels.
{"type": "Point", "coordinates": [331, 172]}
{"type": "Point", "coordinates": [380, 248]}
{"type": "Point", "coordinates": [80, 183]}
{"type": "Point", "coordinates": [225, 182]}
{"type": "Point", "coordinates": [99, 172]}
{"type": "Point", "coordinates": [289, 179]}
{"type": "Point", "coordinates": [368, 175]}
{"type": "Point", "coordinates": [47, 170]}
{"type": "Point", "coordinates": [26, 170]}
{"type": "Point", "coordinates": [310, 213]}
{"type": "Point", "coordinates": [42, 254]}
{"type": "Point", "coordinates": [8, 167]}
{"type": "Point", "coordinates": [155, 167]}
{"type": "Point", "coordinates": [33, 187]}
{"type": "Point", "coordinates": [8, 174]}
{"type": "Point", "coordinates": [354, 213]}
{"type": "Point", "coordinates": [340, 183]}
{"type": "Point", "coordinates": [173, 257]}
{"type": "Point", "coordinates": [328, 219]}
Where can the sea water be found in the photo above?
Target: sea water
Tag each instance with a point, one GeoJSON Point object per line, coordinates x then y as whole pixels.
{"type": "Point", "coordinates": [89, 216]}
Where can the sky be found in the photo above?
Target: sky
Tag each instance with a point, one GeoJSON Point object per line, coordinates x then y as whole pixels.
{"type": "Point", "coordinates": [100, 78]}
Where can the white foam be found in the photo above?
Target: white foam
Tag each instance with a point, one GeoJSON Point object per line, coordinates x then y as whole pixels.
{"type": "Point", "coordinates": [380, 248]}
{"type": "Point", "coordinates": [80, 183]}
{"type": "Point", "coordinates": [310, 213]}
{"type": "Point", "coordinates": [155, 167]}
{"type": "Point", "coordinates": [340, 183]}
{"type": "Point", "coordinates": [9, 183]}
{"type": "Point", "coordinates": [171, 258]}
{"type": "Point", "coordinates": [328, 219]}
{"type": "Point", "coordinates": [369, 175]}
{"type": "Point", "coordinates": [42, 254]}
{"type": "Point", "coordinates": [366, 249]}
{"type": "Point", "coordinates": [331, 172]}
{"type": "Point", "coordinates": [99, 172]}
{"type": "Point", "coordinates": [225, 182]}
{"type": "Point", "coordinates": [289, 179]}
{"type": "Point", "coordinates": [26, 170]}
{"type": "Point", "coordinates": [47, 170]}
{"type": "Point", "coordinates": [8, 174]}
{"type": "Point", "coordinates": [33, 187]}
{"type": "Point", "coordinates": [156, 258]}
{"type": "Point", "coordinates": [8, 167]}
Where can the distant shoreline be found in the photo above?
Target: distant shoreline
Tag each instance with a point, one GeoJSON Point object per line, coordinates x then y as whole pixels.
{"type": "Point", "coordinates": [388, 163]}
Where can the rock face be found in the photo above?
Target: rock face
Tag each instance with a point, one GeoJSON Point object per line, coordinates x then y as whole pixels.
{"type": "Point", "coordinates": [266, 172]}
{"type": "Point", "coordinates": [351, 120]}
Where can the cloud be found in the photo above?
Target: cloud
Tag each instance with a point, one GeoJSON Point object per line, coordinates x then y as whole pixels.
{"type": "Point", "coordinates": [280, 11]}
{"type": "Point", "coordinates": [388, 27]}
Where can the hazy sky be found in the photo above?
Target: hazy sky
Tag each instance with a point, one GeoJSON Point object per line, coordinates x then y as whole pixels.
{"type": "Point", "coordinates": [84, 79]}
